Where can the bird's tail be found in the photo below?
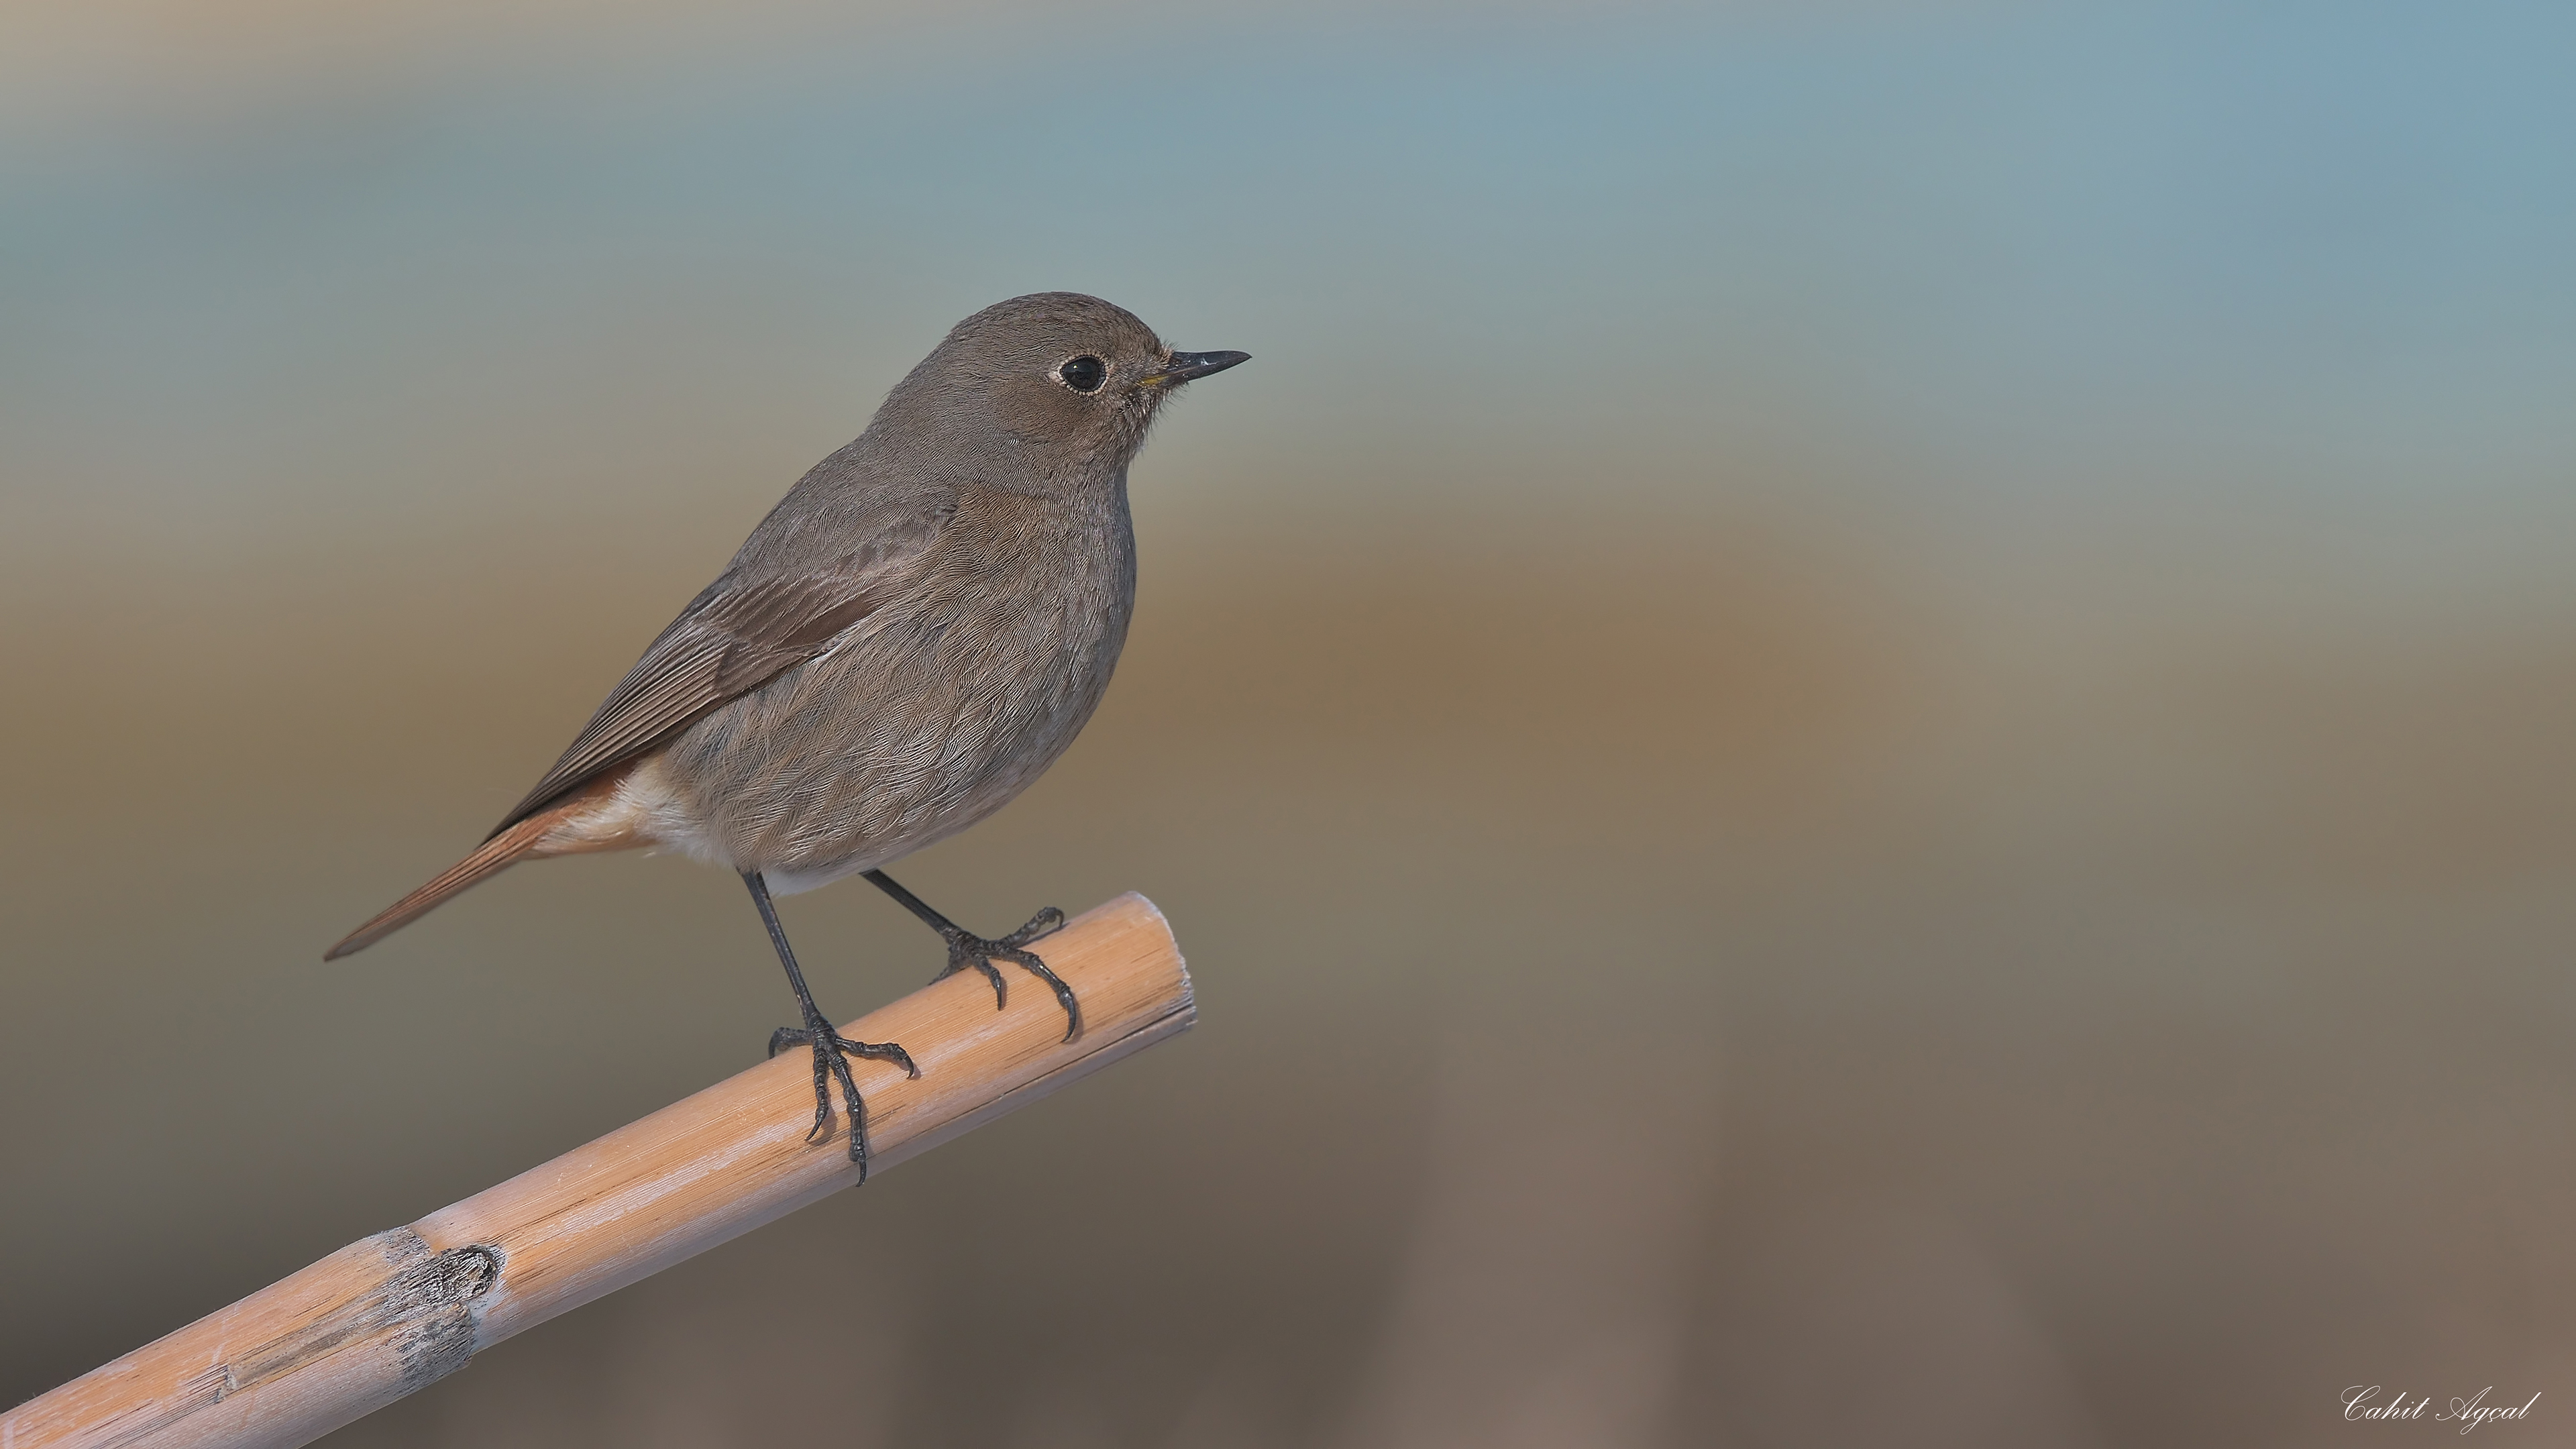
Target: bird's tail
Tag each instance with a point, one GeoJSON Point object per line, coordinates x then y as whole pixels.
{"type": "Point", "coordinates": [524, 839]}
{"type": "Point", "coordinates": [497, 854]}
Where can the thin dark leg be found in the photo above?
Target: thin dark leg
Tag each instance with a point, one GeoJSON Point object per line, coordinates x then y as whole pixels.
{"type": "Point", "coordinates": [832, 1050]}
{"type": "Point", "coordinates": [966, 949]}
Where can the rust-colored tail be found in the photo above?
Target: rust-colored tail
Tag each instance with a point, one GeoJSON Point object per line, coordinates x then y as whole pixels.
{"type": "Point", "coordinates": [504, 850]}
{"type": "Point", "coordinates": [497, 854]}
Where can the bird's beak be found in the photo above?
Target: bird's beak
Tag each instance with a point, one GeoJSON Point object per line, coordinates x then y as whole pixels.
{"type": "Point", "coordinates": [1180, 367]}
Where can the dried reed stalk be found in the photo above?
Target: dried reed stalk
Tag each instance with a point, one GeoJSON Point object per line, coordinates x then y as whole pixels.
{"type": "Point", "coordinates": [394, 1312]}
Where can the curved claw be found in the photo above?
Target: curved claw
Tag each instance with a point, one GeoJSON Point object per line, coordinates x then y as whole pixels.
{"type": "Point", "coordinates": [881, 1051]}
{"type": "Point", "coordinates": [966, 950]}
{"type": "Point", "coordinates": [1063, 994]}
{"type": "Point", "coordinates": [1038, 927]}
{"type": "Point", "coordinates": [822, 1127]}
{"type": "Point", "coordinates": [832, 1052]}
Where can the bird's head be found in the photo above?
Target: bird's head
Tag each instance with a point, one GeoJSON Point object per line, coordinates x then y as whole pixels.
{"type": "Point", "coordinates": [1062, 386]}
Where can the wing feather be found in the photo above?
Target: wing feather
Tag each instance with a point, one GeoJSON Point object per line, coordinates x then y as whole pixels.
{"type": "Point", "coordinates": [733, 638]}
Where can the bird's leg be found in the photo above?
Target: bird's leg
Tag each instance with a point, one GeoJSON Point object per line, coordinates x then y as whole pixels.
{"type": "Point", "coordinates": [966, 949]}
{"type": "Point", "coordinates": [832, 1050]}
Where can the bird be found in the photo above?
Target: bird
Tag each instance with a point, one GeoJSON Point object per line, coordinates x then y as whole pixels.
{"type": "Point", "coordinates": [907, 640]}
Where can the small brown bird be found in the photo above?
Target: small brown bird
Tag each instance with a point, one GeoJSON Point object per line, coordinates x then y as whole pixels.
{"type": "Point", "coordinates": [908, 639]}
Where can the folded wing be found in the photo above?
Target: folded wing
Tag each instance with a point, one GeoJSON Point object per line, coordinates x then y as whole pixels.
{"type": "Point", "coordinates": [738, 635]}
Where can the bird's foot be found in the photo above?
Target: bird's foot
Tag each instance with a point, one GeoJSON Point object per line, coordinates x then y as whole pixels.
{"type": "Point", "coordinates": [967, 949]}
{"type": "Point", "coordinates": [832, 1053]}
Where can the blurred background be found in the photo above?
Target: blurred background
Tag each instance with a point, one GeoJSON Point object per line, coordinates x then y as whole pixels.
{"type": "Point", "coordinates": [1860, 728]}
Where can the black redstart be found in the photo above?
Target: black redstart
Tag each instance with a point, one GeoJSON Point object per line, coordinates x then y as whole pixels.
{"type": "Point", "coordinates": [907, 640]}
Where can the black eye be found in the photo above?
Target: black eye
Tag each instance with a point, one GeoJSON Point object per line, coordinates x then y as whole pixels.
{"type": "Point", "coordinates": [1084, 373]}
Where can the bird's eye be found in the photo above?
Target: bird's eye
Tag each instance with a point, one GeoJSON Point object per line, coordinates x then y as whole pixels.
{"type": "Point", "coordinates": [1083, 374]}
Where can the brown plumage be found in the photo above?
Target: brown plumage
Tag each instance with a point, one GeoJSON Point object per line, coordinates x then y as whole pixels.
{"type": "Point", "coordinates": [908, 639]}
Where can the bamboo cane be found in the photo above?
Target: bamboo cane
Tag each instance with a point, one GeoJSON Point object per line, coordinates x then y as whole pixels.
{"type": "Point", "coordinates": [392, 1313]}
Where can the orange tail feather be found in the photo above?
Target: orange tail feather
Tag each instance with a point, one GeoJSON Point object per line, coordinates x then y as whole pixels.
{"type": "Point", "coordinates": [496, 855]}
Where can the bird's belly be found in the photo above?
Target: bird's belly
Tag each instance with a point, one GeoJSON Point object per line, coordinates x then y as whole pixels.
{"type": "Point", "coordinates": [896, 739]}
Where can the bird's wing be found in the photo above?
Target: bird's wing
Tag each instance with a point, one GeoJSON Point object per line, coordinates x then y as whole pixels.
{"type": "Point", "coordinates": [729, 641]}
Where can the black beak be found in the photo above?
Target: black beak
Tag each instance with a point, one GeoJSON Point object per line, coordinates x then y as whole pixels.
{"type": "Point", "coordinates": [1182, 366]}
